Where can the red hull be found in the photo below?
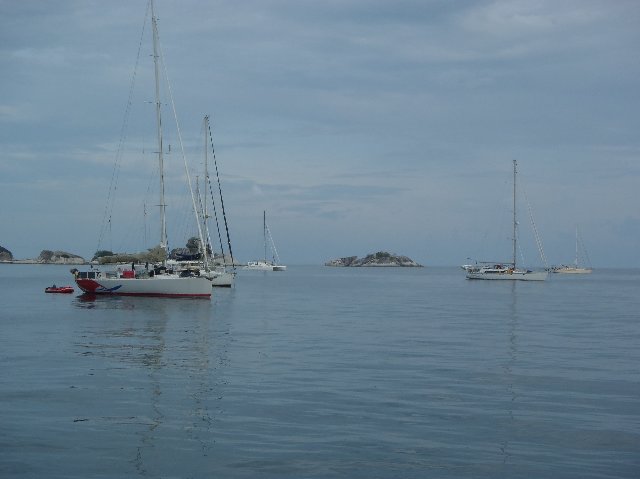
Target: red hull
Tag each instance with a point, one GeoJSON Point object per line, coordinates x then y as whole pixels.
{"type": "Point", "coordinates": [91, 286]}
{"type": "Point", "coordinates": [61, 289]}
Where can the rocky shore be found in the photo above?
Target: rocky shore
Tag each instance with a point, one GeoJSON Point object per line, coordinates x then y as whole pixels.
{"type": "Point", "coordinates": [379, 259]}
{"type": "Point", "coordinates": [45, 257]}
{"type": "Point", "coordinates": [5, 254]}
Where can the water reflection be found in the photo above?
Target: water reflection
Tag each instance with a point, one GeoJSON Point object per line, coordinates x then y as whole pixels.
{"type": "Point", "coordinates": [91, 301]}
{"type": "Point", "coordinates": [160, 364]}
{"type": "Point", "coordinates": [512, 356]}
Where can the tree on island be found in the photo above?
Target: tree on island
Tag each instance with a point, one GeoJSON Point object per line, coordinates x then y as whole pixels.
{"type": "Point", "coordinates": [5, 254]}
{"type": "Point", "coordinates": [156, 254]}
{"type": "Point", "coordinates": [101, 253]}
{"type": "Point", "coordinates": [192, 251]}
{"type": "Point", "coordinates": [48, 256]}
{"type": "Point", "coordinates": [193, 244]}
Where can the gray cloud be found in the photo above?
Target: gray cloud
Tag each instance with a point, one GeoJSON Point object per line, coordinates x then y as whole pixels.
{"type": "Point", "coordinates": [391, 121]}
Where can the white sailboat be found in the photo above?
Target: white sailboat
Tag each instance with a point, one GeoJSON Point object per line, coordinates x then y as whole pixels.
{"type": "Point", "coordinates": [576, 268]}
{"type": "Point", "coordinates": [159, 280]}
{"type": "Point", "coordinates": [508, 270]}
{"type": "Point", "coordinates": [218, 271]}
{"type": "Point", "coordinates": [265, 264]}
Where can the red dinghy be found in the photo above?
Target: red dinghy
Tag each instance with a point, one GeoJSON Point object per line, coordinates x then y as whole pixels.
{"type": "Point", "coordinates": [58, 289]}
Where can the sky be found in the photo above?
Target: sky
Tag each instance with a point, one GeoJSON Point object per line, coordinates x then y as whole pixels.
{"type": "Point", "coordinates": [357, 125]}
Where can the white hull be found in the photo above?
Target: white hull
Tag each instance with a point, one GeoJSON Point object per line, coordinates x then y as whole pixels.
{"type": "Point", "coordinates": [259, 266]}
{"type": "Point", "coordinates": [572, 271]}
{"type": "Point", "coordinates": [508, 275]}
{"type": "Point", "coordinates": [218, 276]}
{"type": "Point", "coordinates": [264, 266]}
{"type": "Point", "coordinates": [167, 285]}
{"type": "Point", "coordinates": [222, 279]}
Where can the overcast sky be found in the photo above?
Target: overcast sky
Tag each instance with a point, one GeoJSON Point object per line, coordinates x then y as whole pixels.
{"type": "Point", "coordinates": [358, 125]}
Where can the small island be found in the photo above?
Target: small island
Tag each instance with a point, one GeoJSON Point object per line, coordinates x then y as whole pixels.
{"type": "Point", "coordinates": [59, 257]}
{"type": "Point", "coordinates": [379, 259]}
{"type": "Point", "coordinates": [46, 257]}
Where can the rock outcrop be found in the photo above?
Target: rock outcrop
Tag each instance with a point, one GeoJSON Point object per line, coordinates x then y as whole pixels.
{"type": "Point", "coordinates": [379, 259]}
{"type": "Point", "coordinates": [5, 254]}
{"type": "Point", "coordinates": [59, 257]}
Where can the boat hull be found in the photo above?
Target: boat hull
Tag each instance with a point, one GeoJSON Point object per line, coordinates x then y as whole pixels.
{"type": "Point", "coordinates": [572, 271]}
{"type": "Point", "coordinates": [169, 286]}
{"type": "Point", "coordinates": [220, 279]}
{"type": "Point", "coordinates": [265, 266]}
{"type": "Point", "coordinates": [59, 290]}
{"type": "Point", "coordinates": [509, 275]}
{"type": "Point", "coordinates": [218, 276]}
{"type": "Point", "coordinates": [259, 266]}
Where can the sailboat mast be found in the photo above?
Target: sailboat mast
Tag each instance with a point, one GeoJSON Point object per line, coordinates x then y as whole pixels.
{"type": "Point", "coordinates": [206, 166]}
{"type": "Point", "coordinates": [515, 224]}
{"type": "Point", "coordinates": [264, 233]}
{"type": "Point", "coordinates": [207, 183]}
{"type": "Point", "coordinates": [163, 219]}
{"type": "Point", "coordinates": [224, 214]}
{"type": "Point", "coordinates": [576, 262]}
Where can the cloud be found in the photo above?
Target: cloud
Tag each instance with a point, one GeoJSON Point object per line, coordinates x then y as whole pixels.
{"type": "Point", "coordinates": [523, 18]}
{"type": "Point", "coordinates": [350, 119]}
{"type": "Point", "coordinates": [43, 57]}
{"type": "Point", "coordinates": [16, 113]}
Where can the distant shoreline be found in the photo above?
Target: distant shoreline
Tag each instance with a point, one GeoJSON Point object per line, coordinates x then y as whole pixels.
{"type": "Point", "coordinates": [35, 261]}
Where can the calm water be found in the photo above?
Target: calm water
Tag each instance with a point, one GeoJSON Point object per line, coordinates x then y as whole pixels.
{"type": "Point", "coordinates": [324, 373]}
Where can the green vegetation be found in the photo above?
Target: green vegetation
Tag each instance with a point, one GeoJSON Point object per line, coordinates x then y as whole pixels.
{"type": "Point", "coordinates": [46, 255]}
{"type": "Point", "coordinates": [101, 253]}
{"type": "Point", "coordinates": [153, 255]}
{"type": "Point", "coordinates": [193, 244]}
{"type": "Point", "coordinates": [5, 254]}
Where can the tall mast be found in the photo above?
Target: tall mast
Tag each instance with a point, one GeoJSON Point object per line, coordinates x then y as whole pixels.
{"type": "Point", "coordinates": [163, 219]}
{"type": "Point", "coordinates": [206, 166]}
{"type": "Point", "coordinates": [576, 262]}
{"type": "Point", "coordinates": [207, 238]}
{"type": "Point", "coordinates": [264, 233]}
{"type": "Point", "coordinates": [224, 214]}
{"type": "Point", "coordinates": [514, 215]}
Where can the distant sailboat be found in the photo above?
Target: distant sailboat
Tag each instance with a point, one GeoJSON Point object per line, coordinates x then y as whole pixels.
{"type": "Point", "coordinates": [507, 270]}
{"type": "Point", "coordinates": [576, 268]}
{"type": "Point", "coordinates": [265, 264]}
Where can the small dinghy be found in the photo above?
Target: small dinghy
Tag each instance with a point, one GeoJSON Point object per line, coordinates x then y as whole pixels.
{"type": "Point", "coordinates": [58, 289]}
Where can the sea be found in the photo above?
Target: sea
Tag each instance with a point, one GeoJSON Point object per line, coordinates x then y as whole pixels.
{"type": "Point", "coordinates": [321, 372]}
